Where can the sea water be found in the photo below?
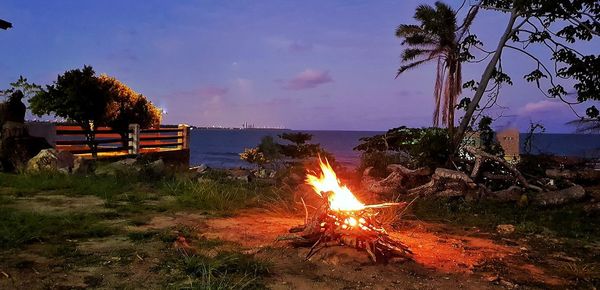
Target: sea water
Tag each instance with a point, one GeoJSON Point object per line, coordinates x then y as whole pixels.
{"type": "Point", "coordinates": [220, 148]}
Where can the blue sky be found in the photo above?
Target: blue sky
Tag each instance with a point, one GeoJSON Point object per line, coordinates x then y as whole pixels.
{"type": "Point", "coordinates": [298, 64]}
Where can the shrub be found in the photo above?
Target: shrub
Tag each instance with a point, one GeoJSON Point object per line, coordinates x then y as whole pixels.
{"type": "Point", "coordinates": [426, 146]}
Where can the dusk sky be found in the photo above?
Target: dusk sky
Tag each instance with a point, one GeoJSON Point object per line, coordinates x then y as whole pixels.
{"type": "Point", "coordinates": [298, 64]}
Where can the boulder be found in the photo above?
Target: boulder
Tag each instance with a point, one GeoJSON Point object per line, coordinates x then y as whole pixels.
{"type": "Point", "coordinates": [51, 160]}
{"type": "Point", "coordinates": [157, 167]}
{"type": "Point", "coordinates": [83, 166]}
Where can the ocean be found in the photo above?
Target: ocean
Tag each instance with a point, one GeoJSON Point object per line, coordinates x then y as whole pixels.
{"type": "Point", "coordinates": [220, 148]}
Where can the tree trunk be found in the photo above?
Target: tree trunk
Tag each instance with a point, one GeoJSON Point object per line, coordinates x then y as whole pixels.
{"type": "Point", "coordinates": [485, 78]}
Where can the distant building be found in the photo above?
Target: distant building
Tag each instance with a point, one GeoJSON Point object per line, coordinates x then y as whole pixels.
{"type": "Point", "coordinates": [508, 139]}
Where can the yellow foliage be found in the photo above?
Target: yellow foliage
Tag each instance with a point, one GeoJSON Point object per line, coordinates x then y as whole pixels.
{"type": "Point", "coordinates": [127, 106]}
{"type": "Point", "coordinates": [253, 155]}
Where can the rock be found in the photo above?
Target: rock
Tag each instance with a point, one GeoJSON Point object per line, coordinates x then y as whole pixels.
{"type": "Point", "coordinates": [126, 162]}
{"type": "Point", "coordinates": [244, 178]}
{"type": "Point", "coordinates": [119, 167]}
{"type": "Point", "coordinates": [51, 160]}
{"type": "Point", "coordinates": [83, 166]}
{"type": "Point", "coordinates": [558, 197]}
{"type": "Point", "coordinates": [66, 160]}
{"type": "Point", "coordinates": [199, 169]}
{"type": "Point", "coordinates": [157, 167]}
{"type": "Point", "coordinates": [505, 229]}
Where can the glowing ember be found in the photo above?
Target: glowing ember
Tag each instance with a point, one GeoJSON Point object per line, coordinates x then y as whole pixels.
{"type": "Point", "coordinates": [341, 198]}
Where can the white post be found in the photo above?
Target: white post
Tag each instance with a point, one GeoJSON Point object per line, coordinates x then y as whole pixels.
{"type": "Point", "coordinates": [134, 139]}
{"type": "Point", "coordinates": [185, 136]}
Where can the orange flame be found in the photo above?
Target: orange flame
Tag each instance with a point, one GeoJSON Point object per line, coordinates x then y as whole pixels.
{"type": "Point", "coordinates": [341, 198]}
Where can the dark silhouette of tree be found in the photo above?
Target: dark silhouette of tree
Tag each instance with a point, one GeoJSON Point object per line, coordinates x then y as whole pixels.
{"type": "Point", "coordinates": [75, 96]}
{"type": "Point", "coordinates": [437, 38]}
{"type": "Point", "coordinates": [532, 26]}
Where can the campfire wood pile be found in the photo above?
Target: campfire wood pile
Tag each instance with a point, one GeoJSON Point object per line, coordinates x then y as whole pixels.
{"type": "Point", "coordinates": [343, 220]}
{"type": "Point", "coordinates": [358, 229]}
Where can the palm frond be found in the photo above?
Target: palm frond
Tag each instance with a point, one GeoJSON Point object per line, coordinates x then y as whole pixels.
{"type": "Point", "coordinates": [411, 65]}
{"type": "Point", "coordinates": [412, 53]}
{"type": "Point", "coordinates": [425, 13]}
{"type": "Point", "coordinates": [404, 30]}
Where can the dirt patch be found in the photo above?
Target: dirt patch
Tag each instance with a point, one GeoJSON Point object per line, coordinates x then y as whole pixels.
{"type": "Point", "coordinates": [59, 204]}
{"type": "Point", "coordinates": [442, 259]}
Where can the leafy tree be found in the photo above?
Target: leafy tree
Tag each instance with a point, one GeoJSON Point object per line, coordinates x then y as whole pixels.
{"type": "Point", "coordinates": [90, 101]}
{"type": "Point", "coordinates": [533, 25]}
{"type": "Point", "coordinates": [269, 148]}
{"type": "Point", "coordinates": [77, 96]}
{"type": "Point", "coordinates": [437, 38]}
{"type": "Point", "coordinates": [126, 107]}
{"type": "Point", "coordinates": [299, 148]}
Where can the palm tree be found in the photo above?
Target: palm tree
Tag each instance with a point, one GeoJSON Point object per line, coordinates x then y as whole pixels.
{"type": "Point", "coordinates": [437, 38]}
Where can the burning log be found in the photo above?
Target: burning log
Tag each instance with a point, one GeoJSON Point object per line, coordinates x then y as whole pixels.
{"type": "Point", "coordinates": [342, 220]}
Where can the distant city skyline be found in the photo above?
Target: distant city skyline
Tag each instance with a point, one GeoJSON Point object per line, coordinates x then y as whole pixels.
{"type": "Point", "coordinates": [311, 65]}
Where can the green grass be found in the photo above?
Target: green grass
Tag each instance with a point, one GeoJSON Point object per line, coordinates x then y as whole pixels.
{"type": "Point", "coordinates": [18, 228]}
{"type": "Point", "coordinates": [27, 184]}
{"type": "Point", "coordinates": [132, 195]}
{"type": "Point", "coordinates": [568, 221]}
{"type": "Point", "coordinates": [227, 270]}
{"type": "Point", "coordinates": [217, 194]}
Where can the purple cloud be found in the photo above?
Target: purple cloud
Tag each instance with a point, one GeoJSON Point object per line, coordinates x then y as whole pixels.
{"type": "Point", "coordinates": [308, 79]}
{"type": "Point", "coordinates": [541, 107]}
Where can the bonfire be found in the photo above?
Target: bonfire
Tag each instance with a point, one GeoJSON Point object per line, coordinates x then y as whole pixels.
{"type": "Point", "coordinates": [343, 220]}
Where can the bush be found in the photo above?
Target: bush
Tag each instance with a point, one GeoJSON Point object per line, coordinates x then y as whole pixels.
{"type": "Point", "coordinates": [379, 160]}
{"type": "Point", "coordinates": [427, 146]}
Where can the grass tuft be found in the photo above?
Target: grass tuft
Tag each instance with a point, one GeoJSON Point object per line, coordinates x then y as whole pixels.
{"type": "Point", "coordinates": [21, 227]}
